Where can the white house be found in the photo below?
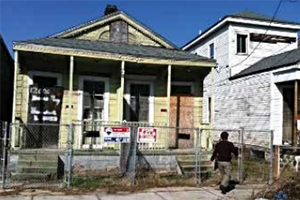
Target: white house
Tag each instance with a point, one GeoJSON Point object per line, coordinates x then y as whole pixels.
{"type": "Point", "coordinates": [256, 82]}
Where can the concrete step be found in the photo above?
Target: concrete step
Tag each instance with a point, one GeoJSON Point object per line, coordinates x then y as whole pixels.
{"type": "Point", "coordinates": [38, 157]}
{"type": "Point", "coordinates": [192, 162]}
{"type": "Point", "coordinates": [42, 170]}
{"type": "Point", "coordinates": [44, 163]}
{"type": "Point", "coordinates": [32, 176]}
{"type": "Point", "coordinates": [193, 167]}
{"type": "Point", "coordinates": [204, 157]}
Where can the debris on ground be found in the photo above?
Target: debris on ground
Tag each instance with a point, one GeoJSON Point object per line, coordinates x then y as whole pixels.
{"type": "Point", "coordinates": [286, 187]}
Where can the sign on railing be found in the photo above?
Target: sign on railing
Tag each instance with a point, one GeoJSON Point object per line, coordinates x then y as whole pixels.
{"type": "Point", "coordinates": [117, 134]}
{"type": "Point", "coordinates": [147, 135]}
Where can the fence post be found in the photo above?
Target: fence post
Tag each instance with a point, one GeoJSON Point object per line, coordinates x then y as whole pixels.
{"type": "Point", "coordinates": [198, 156]}
{"type": "Point", "coordinates": [70, 155]}
{"type": "Point", "coordinates": [134, 155]}
{"type": "Point", "coordinates": [4, 148]}
{"type": "Point", "coordinates": [271, 176]}
{"type": "Point", "coordinates": [241, 155]}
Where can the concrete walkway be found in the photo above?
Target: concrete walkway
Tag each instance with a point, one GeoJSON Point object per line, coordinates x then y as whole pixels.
{"type": "Point", "coordinates": [179, 193]}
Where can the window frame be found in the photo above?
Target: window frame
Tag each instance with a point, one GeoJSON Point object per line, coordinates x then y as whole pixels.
{"type": "Point", "coordinates": [209, 50]}
{"type": "Point", "coordinates": [33, 73]}
{"type": "Point", "coordinates": [151, 97]}
{"type": "Point", "coordinates": [246, 43]}
{"type": "Point", "coordinates": [105, 95]}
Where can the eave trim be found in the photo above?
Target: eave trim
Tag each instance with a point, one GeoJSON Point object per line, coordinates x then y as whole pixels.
{"type": "Point", "coordinates": [107, 56]}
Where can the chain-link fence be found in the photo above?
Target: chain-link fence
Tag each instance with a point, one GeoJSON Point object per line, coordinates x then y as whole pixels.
{"type": "Point", "coordinates": [37, 155]}
{"type": "Point", "coordinates": [255, 160]}
{"type": "Point", "coordinates": [4, 130]}
{"type": "Point", "coordinates": [111, 153]}
{"type": "Point", "coordinates": [288, 161]}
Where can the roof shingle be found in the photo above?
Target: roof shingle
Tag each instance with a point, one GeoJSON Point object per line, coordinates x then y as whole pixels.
{"type": "Point", "coordinates": [118, 48]}
{"type": "Point", "coordinates": [271, 63]}
{"type": "Point", "coordinates": [258, 16]}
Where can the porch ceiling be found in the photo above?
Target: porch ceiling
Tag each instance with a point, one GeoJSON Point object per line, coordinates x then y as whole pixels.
{"type": "Point", "coordinates": [114, 51]}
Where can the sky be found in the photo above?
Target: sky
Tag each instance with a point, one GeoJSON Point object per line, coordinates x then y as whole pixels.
{"type": "Point", "coordinates": [178, 20]}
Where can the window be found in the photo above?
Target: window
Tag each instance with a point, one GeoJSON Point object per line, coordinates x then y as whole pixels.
{"type": "Point", "coordinates": [139, 102]}
{"type": "Point", "coordinates": [241, 43]}
{"type": "Point", "coordinates": [43, 81]}
{"type": "Point", "coordinates": [207, 110]}
{"type": "Point", "coordinates": [105, 36]}
{"type": "Point", "coordinates": [212, 50]}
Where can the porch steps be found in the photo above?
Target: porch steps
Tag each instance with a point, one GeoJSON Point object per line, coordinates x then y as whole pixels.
{"type": "Point", "coordinates": [187, 164]}
{"type": "Point", "coordinates": [38, 166]}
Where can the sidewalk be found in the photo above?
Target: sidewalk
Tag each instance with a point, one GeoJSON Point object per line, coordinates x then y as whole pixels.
{"type": "Point", "coordinates": [176, 193]}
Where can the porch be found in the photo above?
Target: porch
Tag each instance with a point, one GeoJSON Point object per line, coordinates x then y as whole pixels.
{"type": "Point", "coordinates": [286, 96]}
{"type": "Point", "coordinates": [97, 88]}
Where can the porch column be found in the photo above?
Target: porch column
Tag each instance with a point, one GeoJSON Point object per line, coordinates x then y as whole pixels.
{"type": "Point", "coordinates": [169, 93]}
{"type": "Point", "coordinates": [13, 120]}
{"type": "Point", "coordinates": [296, 97]}
{"type": "Point", "coordinates": [71, 71]}
{"type": "Point", "coordinates": [121, 94]}
{"type": "Point", "coordinates": [16, 69]}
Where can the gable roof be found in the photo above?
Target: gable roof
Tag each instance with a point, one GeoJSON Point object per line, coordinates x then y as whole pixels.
{"type": "Point", "coordinates": [270, 63]}
{"type": "Point", "coordinates": [116, 49]}
{"type": "Point", "coordinates": [112, 17]}
{"type": "Point", "coordinates": [260, 17]}
{"type": "Point", "coordinates": [240, 15]}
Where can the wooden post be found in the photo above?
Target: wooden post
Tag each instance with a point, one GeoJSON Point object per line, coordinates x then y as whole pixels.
{"type": "Point", "coordinates": [121, 94]}
{"type": "Point", "coordinates": [16, 69]}
{"type": "Point", "coordinates": [169, 91]}
{"type": "Point", "coordinates": [295, 135]}
{"type": "Point", "coordinates": [276, 162]}
{"type": "Point", "coordinates": [168, 104]}
{"type": "Point", "coordinates": [71, 88]}
{"type": "Point", "coordinates": [13, 120]}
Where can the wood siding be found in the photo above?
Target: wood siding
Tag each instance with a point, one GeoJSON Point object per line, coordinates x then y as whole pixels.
{"type": "Point", "coordinates": [253, 102]}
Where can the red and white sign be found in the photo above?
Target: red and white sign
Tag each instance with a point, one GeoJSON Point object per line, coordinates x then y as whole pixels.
{"type": "Point", "coordinates": [147, 135]}
{"type": "Point", "coordinates": [117, 134]}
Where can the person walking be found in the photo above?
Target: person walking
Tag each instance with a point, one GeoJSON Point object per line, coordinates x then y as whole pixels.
{"type": "Point", "coordinates": [222, 155]}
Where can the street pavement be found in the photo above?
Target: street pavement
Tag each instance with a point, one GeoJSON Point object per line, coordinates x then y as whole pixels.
{"type": "Point", "coordinates": [174, 193]}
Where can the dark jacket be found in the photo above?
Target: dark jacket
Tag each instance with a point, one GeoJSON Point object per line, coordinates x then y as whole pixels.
{"type": "Point", "coordinates": [223, 151]}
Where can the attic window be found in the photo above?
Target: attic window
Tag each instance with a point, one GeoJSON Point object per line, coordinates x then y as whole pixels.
{"type": "Point", "coordinates": [105, 36]}
{"type": "Point", "coordinates": [132, 39]}
{"type": "Point", "coordinates": [241, 43]}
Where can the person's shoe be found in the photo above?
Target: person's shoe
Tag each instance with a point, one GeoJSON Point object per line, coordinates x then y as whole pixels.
{"type": "Point", "coordinates": [223, 189]}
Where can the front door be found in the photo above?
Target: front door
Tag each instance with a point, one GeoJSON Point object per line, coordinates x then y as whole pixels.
{"type": "Point", "coordinates": [181, 115]}
{"type": "Point", "coordinates": [139, 102]}
{"type": "Point", "coordinates": [288, 113]}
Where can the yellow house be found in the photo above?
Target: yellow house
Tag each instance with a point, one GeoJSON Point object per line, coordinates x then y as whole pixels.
{"type": "Point", "coordinates": [109, 70]}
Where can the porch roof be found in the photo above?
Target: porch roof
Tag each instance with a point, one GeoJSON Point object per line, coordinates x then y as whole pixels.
{"type": "Point", "coordinates": [114, 51]}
